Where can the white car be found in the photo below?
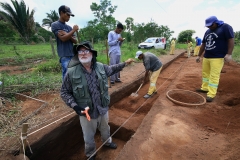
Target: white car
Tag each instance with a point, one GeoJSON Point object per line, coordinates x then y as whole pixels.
{"type": "Point", "coordinates": [153, 42]}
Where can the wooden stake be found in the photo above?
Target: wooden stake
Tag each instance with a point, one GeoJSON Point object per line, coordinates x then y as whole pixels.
{"type": "Point", "coordinates": [51, 42]}
{"type": "Point", "coordinates": [109, 81]}
{"type": "Point", "coordinates": [78, 37]}
{"type": "Point", "coordinates": [24, 137]}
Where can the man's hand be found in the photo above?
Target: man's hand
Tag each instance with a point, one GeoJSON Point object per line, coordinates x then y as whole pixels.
{"type": "Point", "coordinates": [198, 59]}
{"type": "Point", "coordinates": [75, 27]}
{"type": "Point", "coordinates": [121, 39]}
{"type": "Point", "coordinates": [129, 61]}
{"type": "Point", "coordinates": [228, 57]}
{"type": "Point", "coordinates": [78, 109]}
{"type": "Point", "coordinates": [86, 112]}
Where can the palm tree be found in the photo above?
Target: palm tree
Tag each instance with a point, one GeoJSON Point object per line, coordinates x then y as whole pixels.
{"type": "Point", "coordinates": [20, 18]}
{"type": "Point", "coordinates": [51, 17]}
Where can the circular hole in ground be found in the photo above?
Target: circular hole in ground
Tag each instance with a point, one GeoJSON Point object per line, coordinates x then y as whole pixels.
{"type": "Point", "coordinates": [185, 97]}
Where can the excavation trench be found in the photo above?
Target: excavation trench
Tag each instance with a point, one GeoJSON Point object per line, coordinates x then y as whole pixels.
{"type": "Point", "coordinates": [125, 116]}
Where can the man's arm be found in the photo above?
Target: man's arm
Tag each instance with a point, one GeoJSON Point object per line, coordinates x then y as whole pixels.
{"type": "Point", "coordinates": [67, 92]}
{"type": "Point", "coordinates": [64, 36]}
{"type": "Point", "coordinates": [202, 49]}
{"type": "Point", "coordinates": [111, 40]}
{"type": "Point", "coordinates": [230, 46]}
{"type": "Point", "coordinates": [73, 39]}
{"type": "Point", "coordinates": [145, 76]}
{"type": "Point", "coordinates": [110, 70]}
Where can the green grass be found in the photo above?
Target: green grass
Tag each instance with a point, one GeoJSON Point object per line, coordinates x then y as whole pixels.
{"type": "Point", "coordinates": [47, 72]}
{"type": "Point", "coordinates": [235, 54]}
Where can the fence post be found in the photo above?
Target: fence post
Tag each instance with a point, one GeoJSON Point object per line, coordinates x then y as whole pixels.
{"type": "Point", "coordinates": [51, 42]}
{"type": "Point", "coordinates": [24, 137]}
{"type": "Point", "coordinates": [109, 81]}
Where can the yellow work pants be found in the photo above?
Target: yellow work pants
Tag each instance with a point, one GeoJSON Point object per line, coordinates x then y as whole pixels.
{"type": "Point", "coordinates": [211, 70]}
{"type": "Point", "coordinates": [196, 50]}
{"type": "Point", "coordinates": [189, 51]}
{"type": "Point", "coordinates": [153, 76]}
{"type": "Point", "coordinates": [172, 49]}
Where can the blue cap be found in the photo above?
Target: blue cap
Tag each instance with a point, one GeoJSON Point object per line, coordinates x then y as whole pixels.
{"type": "Point", "coordinates": [210, 20]}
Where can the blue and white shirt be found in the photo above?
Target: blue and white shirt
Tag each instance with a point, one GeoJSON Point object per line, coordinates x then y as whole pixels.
{"type": "Point", "coordinates": [217, 41]}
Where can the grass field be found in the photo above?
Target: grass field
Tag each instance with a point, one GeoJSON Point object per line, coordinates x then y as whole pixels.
{"type": "Point", "coordinates": [41, 69]}
{"type": "Point", "coordinates": [39, 66]}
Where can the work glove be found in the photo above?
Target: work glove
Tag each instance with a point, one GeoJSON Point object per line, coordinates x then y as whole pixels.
{"type": "Point", "coordinates": [228, 58]}
{"type": "Point", "coordinates": [198, 59]}
{"type": "Point", "coordinates": [78, 109]}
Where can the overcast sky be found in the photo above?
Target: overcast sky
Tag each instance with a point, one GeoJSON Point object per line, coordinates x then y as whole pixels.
{"type": "Point", "coordinates": [178, 15]}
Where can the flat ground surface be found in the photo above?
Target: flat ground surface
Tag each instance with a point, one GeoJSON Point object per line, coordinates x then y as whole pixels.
{"type": "Point", "coordinates": [163, 129]}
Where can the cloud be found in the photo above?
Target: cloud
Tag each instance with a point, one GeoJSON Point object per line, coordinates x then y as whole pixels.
{"type": "Point", "coordinates": [213, 1]}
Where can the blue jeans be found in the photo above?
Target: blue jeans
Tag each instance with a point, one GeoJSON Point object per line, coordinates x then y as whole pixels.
{"type": "Point", "coordinates": [89, 129]}
{"type": "Point", "coordinates": [64, 63]}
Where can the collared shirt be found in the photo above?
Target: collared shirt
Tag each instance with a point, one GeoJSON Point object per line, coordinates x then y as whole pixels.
{"type": "Point", "coordinates": [114, 44]}
{"type": "Point", "coordinates": [93, 86]}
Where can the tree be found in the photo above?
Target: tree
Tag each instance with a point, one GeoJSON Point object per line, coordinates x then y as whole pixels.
{"type": "Point", "coordinates": [129, 27]}
{"type": "Point", "coordinates": [98, 28]}
{"type": "Point", "coordinates": [20, 18]}
{"type": "Point", "coordinates": [186, 35]}
{"type": "Point", "coordinates": [151, 29]}
{"type": "Point", "coordinates": [7, 34]}
{"type": "Point", "coordinates": [51, 17]}
{"type": "Point", "coordinates": [103, 12]}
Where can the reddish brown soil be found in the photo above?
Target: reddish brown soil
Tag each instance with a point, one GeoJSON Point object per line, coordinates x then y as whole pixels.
{"type": "Point", "coordinates": [155, 128]}
{"type": "Point", "coordinates": [211, 131]}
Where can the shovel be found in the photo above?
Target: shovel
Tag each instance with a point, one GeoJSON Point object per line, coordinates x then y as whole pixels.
{"type": "Point", "coordinates": [135, 94]}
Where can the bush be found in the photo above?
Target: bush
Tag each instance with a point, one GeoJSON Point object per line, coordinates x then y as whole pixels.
{"type": "Point", "coordinates": [52, 65]}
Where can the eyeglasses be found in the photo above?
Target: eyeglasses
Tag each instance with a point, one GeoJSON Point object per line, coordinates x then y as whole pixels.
{"type": "Point", "coordinates": [83, 51]}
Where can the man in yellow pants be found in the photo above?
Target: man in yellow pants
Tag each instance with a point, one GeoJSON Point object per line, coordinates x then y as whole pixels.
{"type": "Point", "coordinates": [172, 48]}
{"type": "Point", "coordinates": [189, 49]}
{"type": "Point", "coordinates": [153, 68]}
{"type": "Point", "coordinates": [198, 45]}
{"type": "Point", "coordinates": [218, 43]}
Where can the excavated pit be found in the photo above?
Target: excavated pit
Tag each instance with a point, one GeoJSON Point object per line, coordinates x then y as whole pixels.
{"type": "Point", "coordinates": [66, 140]}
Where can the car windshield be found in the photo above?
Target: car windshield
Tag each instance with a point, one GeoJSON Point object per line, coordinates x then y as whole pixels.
{"type": "Point", "coordinates": [150, 40]}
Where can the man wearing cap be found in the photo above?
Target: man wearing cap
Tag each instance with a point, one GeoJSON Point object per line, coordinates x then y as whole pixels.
{"type": "Point", "coordinates": [153, 68]}
{"type": "Point", "coordinates": [172, 47]}
{"type": "Point", "coordinates": [115, 41]}
{"type": "Point", "coordinates": [198, 45]}
{"type": "Point", "coordinates": [65, 37]}
{"type": "Point", "coordinates": [217, 46]}
{"type": "Point", "coordinates": [85, 89]}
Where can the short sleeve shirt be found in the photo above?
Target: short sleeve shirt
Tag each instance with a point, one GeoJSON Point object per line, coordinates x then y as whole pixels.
{"type": "Point", "coordinates": [217, 41]}
{"type": "Point", "coordinates": [64, 49]}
